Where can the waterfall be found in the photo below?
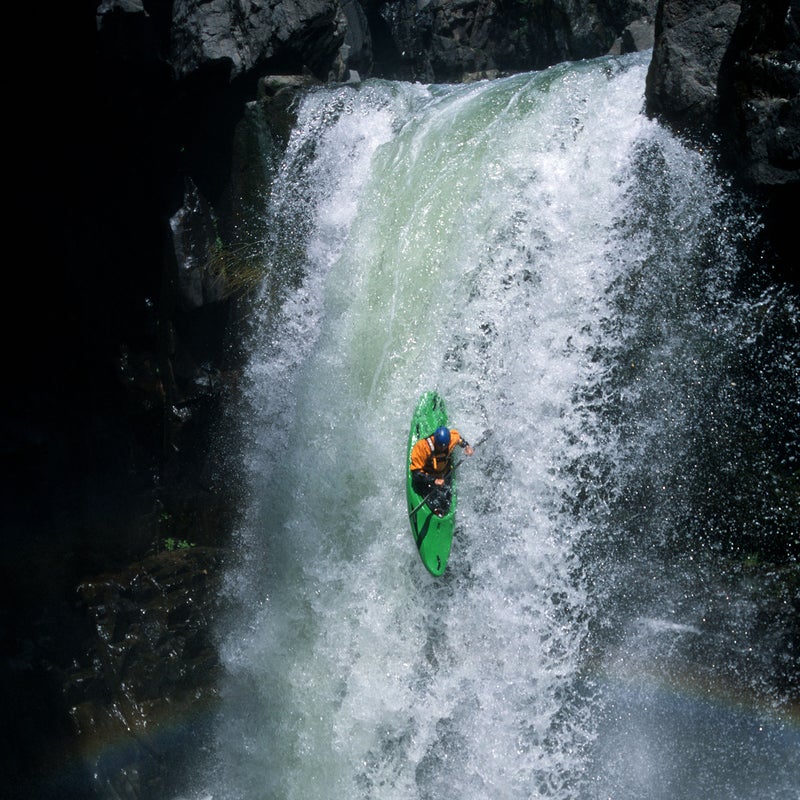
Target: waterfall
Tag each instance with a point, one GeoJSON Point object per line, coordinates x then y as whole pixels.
{"type": "Point", "coordinates": [565, 273]}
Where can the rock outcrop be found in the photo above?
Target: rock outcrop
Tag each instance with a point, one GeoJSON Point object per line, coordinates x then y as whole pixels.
{"type": "Point", "coordinates": [727, 76]}
{"type": "Point", "coordinates": [441, 41]}
{"type": "Point", "coordinates": [759, 87]}
{"type": "Point", "coordinates": [148, 677]}
{"type": "Point", "coordinates": [721, 69]}
{"type": "Point", "coordinates": [691, 40]}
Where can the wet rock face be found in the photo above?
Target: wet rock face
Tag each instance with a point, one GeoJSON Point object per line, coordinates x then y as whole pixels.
{"type": "Point", "coordinates": [759, 87]}
{"type": "Point", "coordinates": [439, 40]}
{"type": "Point", "coordinates": [147, 680]}
{"type": "Point", "coordinates": [732, 69]}
{"type": "Point", "coordinates": [691, 40]}
{"type": "Point", "coordinates": [727, 75]}
{"type": "Point", "coordinates": [197, 35]}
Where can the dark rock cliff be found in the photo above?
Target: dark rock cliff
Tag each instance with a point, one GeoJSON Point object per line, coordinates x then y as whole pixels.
{"type": "Point", "coordinates": [727, 76]}
{"type": "Point", "coordinates": [138, 168]}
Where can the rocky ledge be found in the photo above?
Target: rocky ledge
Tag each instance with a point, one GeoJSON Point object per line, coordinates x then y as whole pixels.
{"type": "Point", "coordinates": [147, 683]}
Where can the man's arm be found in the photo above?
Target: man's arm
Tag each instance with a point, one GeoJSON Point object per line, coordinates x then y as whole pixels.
{"type": "Point", "coordinates": [462, 442]}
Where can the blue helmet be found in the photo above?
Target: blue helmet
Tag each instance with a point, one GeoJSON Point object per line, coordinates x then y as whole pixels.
{"type": "Point", "coordinates": [441, 438]}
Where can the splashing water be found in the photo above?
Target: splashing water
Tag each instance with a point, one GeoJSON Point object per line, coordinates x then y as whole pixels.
{"type": "Point", "coordinates": [541, 254]}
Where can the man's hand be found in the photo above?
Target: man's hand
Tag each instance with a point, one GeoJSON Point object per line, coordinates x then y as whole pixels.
{"type": "Point", "coordinates": [469, 450]}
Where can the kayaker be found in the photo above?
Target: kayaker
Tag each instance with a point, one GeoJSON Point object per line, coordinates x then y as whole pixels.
{"type": "Point", "coordinates": [432, 468]}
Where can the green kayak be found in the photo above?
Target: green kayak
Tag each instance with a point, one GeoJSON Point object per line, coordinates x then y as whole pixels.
{"type": "Point", "coordinates": [432, 534]}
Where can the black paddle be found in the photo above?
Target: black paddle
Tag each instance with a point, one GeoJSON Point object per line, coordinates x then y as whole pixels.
{"type": "Point", "coordinates": [486, 434]}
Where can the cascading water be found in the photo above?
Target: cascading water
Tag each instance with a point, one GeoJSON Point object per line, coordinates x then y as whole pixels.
{"type": "Point", "coordinates": [562, 271]}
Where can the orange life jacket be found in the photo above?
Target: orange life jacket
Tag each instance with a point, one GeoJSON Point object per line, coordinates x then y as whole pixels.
{"type": "Point", "coordinates": [425, 457]}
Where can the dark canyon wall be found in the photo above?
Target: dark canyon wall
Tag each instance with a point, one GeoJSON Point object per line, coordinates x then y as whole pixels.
{"type": "Point", "coordinates": [136, 156]}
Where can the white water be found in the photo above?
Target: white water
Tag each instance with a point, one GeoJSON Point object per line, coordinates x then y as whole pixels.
{"type": "Point", "coordinates": [476, 240]}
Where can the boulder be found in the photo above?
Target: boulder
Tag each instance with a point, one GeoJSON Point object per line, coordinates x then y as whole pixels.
{"type": "Point", "coordinates": [691, 39]}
